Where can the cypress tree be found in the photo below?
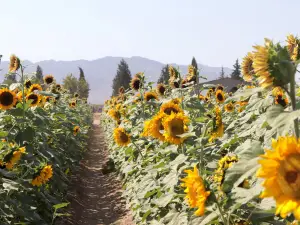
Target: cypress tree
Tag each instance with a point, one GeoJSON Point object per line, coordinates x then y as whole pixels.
{"type": "Point", "coordinates": [83, 86]}
{"type": "Point", "coordinates": [195, 65]}
{"type": "Point", "coordinates": [164, 75]}
{"type": "Point", "coordinates": [236, 73]}
{"type": "Point", "coordinates": [222, 73]}
{"type": "Point", "coordinates": [122, 78]}
{"type": "Point", "coordinates": [81, 74]}
{"type": "Point", "coordinates": [39, 74]}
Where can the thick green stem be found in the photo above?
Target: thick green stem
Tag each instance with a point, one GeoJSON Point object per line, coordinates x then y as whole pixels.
{"type": "Point", "coordinates": [138, 149]}
{"type": "Point", "coordinates": [220, 209]}
{"type": "Point", "coordinates": [23, 90]}
{"type": "Point", "coordinates": [293, 100]}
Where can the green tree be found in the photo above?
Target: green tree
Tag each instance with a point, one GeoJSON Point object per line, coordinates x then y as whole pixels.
{"type": "Point", "coordinates": [81, 74]}
{"type": "Point", "coordinates": [164, 75]}
{"type": "Point", "coordinates": [222, 73]}
{"type": "Point", "coordinates": [83, 86]}
{"type": "Point", "coordinates": [39, 74]}
{"type": "Point", "coordinates": [122, 78]}
{"type": "Point", "coordinates": [195, 65]}
{"type": "Point", "coordinates": [71, 83]}
{"type": "Point", "coordinates": [236, 73]}
{"type": "Point", "coordinates": [10, 78]}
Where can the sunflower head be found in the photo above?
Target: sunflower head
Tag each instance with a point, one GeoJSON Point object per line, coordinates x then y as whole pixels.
{"type": "Point", "coordinates": [293, 47]}
{"type": "Point", "coordinates": [220, 87]}
{"type": "Point", "coordinates": [72, 104]}
{"type": "Point", "coordinates": [48, 98]}
{"type": "Point", "coordinates": [121, 137]}
{"type": "Point", "coordinates": [76, 95]}
{"type": "Point", "coordinates": [174, 82]}
{"type": "Point", "coordinates": [281, 100]}
{"type": "Point", "coordinates": [247, 67]}
{"type": "Point", "coordinates": [191, 70]}
{"type": "Point", "coordinates": [58, 87]}
{"type": "Point", "coordinates": [8, 99]}
{"type": "Point", "coordinates": [218, 126]}
{"type": "Point", "coordinates": [150, 95]}
{"type": "Point", "coordinates": [43, 176]}
{"type": "Point", "coordinates": [169, 108]}
{"type": "Point", "coordinates": [229, 107]}
{"type": "Point", "coordinates": [224, 163]}
{"type": "Point", "coordinates": [48, 79]}
{"type": "Point", "coordinates": [201, 97]}
{"type": "Point", "coordinates": [160, 89]}
{"type": "Point", "coordinates": [220, 97]}
{"type": "Point", "coordinates": [184, 83]}
{"type": "Point", "coordinates": [114, 114]}
{"type": "Point", "coordinates": [153, 127]}
{"type": "Point", "coordinates": [176, 101]}
{"type": "Point", "coordinates": [33, 98]}
{"type": "Point", "coordinates": [35, 87]}
{"type": "Point", "coordinates": [172, 72]}
{"type": "Point", "coordinates": [136, 83]}
{"type": "Point", "coordinates": [14, 64]}
{"type": "Point", "coordinates": [196, 193]}
{"type": "Point", "coordinates": [76, 129]}
{"type": "Point", "coordinates": [121, 90]}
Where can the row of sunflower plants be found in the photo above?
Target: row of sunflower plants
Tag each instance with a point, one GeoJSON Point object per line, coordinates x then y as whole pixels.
{"type": "Point", "coordinates": [43, 134]}
{"type": "Point", "coordinates": [216, 158]}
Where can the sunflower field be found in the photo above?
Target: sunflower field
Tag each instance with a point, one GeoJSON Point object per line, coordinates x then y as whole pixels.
{"type": "Point", "coordinates": [195, 154]}
{"type": "Point", "coordinates": [43, 134]}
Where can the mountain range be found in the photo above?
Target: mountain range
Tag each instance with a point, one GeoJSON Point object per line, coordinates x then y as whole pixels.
{"type": "Point", "coordinates": [100, 72]}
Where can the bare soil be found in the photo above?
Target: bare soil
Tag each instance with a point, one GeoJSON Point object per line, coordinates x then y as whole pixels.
{"type": "Point", "coordinates": [95, 198]}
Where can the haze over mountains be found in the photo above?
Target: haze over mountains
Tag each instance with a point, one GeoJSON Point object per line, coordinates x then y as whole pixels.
{"type": "Point", "coordinates": [100, 72]}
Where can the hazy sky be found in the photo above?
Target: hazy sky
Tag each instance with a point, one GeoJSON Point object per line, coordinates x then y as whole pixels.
{"type": "Point", "coordinates": [216, 32]}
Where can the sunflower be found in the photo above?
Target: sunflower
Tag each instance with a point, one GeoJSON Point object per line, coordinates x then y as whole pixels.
{"type": "Point", "coordinates": [14, 64]}
{"type": "Point", "coordinates": [218, 126]}
{"type": "Point", "coordinates": [196, 193]}
{"type": "Point", "coordinates": [220, 87]}
{"type": "Point", "coordinates": [172, 72]}
{"type": "Point", "coordinates": [76, 95]}
{"type": "Point", "coordinates": [170, 107]}
{"type": "Point", "coordinates": [174, 83]}
{"type": "Point", "coordinates": [293, 47]}
{"type": "Point", "coordinates": [135, 83]}
{"type": "Point", "coordinates": [160, 89]}
{"type": "Point", "coordinates": [121, 90]}
{"type": "Point", "coordinates": [114, 114]}
{"type": "Point", "coordinates": [247, 67]}
{"type": "Point", "coordinates": [34, 98]}
{"type": "Point", "coordinates": [184, 83]}
{"type": "Point", "coordinates": [72, 104]}
{"type": "Point", "coordinates": [48, 98]}
{"type": "Point", "coordinates": [280, 100]}
{"type": "Point", "coordinates": [76, 129]}
{"type": "Point", "coordinates": [201, 97]}
{"type": "Point", "coordinates": [175, 124]}
{"type": "Point", "coordinates": [191, 70]}
{"type": "Point", "coordinates": [35, 87]}
{"type": "Point", "coordinates": [280, 167]}
{"type": "Point", "coordinates": [43, 177]}
{"type": "Point", "coordinates": [150, 95]}
{"type": "Point", "coordinates": [15, 158]}
{"type": "Point", "coordinates": [220, 97]}
{"type": "Point", "coordinates": [8, 99]}
{"type": "Point", "coordinates": [58, 87]}
{"type": "Point", "coordinates": [153, 127]}
{"type": "Point", "coordinates": [229, 107]}
{"type": "Point", "coordinates": [121, 137]}
{"type": "Point", "coordinates": [223, 164]}
{"type": "Point", "coordinates": [48, 79]}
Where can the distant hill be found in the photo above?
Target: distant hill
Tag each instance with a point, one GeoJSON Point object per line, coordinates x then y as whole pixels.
{"type": "Point", "coordinates": [100, 72]}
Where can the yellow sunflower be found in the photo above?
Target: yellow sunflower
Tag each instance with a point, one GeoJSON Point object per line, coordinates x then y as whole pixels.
{"type": "Point", "coordinates": [218, 126]}
{"type": "Point", "coordinates": [14, 64]}
{"type": "Point", "coordinates": [135, 83]}
{"type": "Point", "coordinates": [8, 99]}
{"type": "Point", "coordinates": [202, 97]}
{"type": "Point", "coordinates": [170, 107]}
{"type": "Point", "coordinates": [150, 95]}
{"type": "Point", "coordinates": [176, 101]}
{"type": "Point", "coordinates": [160, 89]}
{"type": "Point", "coordinates": [15, 158]}
{"type": "Point", "coordinates": [172, 72]}
{"type": "Point", "coordinates": [35, 87]}
{"type": "Point", "coordinates": [247, 67]}
{"type": "Point", "coordinates": [223, 164]}
{"type": "Point", "coordinates": [196, 193]}
{"type": "Point", "coordinates": [281, 100]}
{"type": "Point", "coordinates": [229, 107]}
{"type": "Point", "coordinates": [76, 129]}
{"type": "Point", "coordinates": [48, 79]}
{"type": "Point", "coordinates": [175, 124]}
{"type": "Point", "coordinates": [280, 167]}
{"type": "Point", "coordinates": [72, 104]}
{"type": "Point", "coordinates": [293, 47]}
{"type": "Point", "coordinates": [220, 96]}
{"type": "Point", "coordinates": [43, 177]}
{"type": "Point", "coordinates": [34, 98]}
{"type": "Point", "coordinates": [121, 137]}
{"type": "Point", "coordinates": [153, 127]}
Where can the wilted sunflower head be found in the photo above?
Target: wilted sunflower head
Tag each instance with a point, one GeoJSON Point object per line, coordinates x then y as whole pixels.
{"type": "Point", "coordinates": [48, 79]}
{"type": "Point", "coordinates": [161, 89]}
{"type": "Point", "coordinates": [8, 99]}
{"type": "Point", "coordinates": [135, 83]}
{"type": "Point", "coordinates": [169, 108]}
{"type": "Point", "coordinates": [76, 129]}
{"type": "Point", "coordinates": [247, 67]}
{"type": "Point", "coordinates": [293, 46]}
{"type": "Point", "coordinates": [149, 95]}
{"type": "Point", "coordinates": [34, 98]}
{"type": "Point", "coordinates": [14, 64]}
{"type": "Point", "coordinates": [58, 87]}
{"type": "Point", "coordinates": [121, 90]}
{"type": "Point", "coordinates": [35, 87]}
{"type": "Point", "coordinates": [121, 137]}
{"type": "Point", "coordinates": [220, 97]}
{"type": "Point", "coordinates": [229, 107]}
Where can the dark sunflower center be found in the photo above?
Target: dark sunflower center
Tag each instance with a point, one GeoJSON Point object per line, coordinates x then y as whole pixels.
{"type": "Point", "coordinates": [280, 101]}
{"type": "Point", "coordinates": [291, 176]}
{"type": "Point", "coordinates": [49, 80]}
{"type": "Point", "coordinates": [170, 110]}
{"type": "Point", "coordinates": [34, 89]}
{"type": "Point", "coordinates": [177, 127]}
{"type": "Point", "coordinates": [6, 98]}
{"type": "Point", "coordinates": [162, 90]}
{"type": "Point", "coordinates": [123, 137]}
{"type": "Point", "coordinates": [34, 98]}
{"type": "Point", "coordinates": [136, 84]}
{"type": "Point", "coordinates": [58, 87]}
{"type": "Point", "coordinates": [161, 127]}
{"type": "Point", "coordinates": [229, 107]}
{"type": "Point", "coordinates": [220, 97]}
{"type": "Point", "coordinates": [28, 84]}
{"type": "Point", "coordinates": [76, 129]}
{"type": "Point", "coordinates": [176, 84]}
{"type": "Point", "coordinates": [149, 97]}
{"type": "Point", "coordinates": [220, 88]}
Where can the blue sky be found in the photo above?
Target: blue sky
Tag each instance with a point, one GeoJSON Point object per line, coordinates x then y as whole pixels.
{"type": "Point", "coordinates": [216, 32]}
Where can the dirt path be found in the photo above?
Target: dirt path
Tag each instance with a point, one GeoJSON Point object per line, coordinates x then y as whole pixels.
{"type": "Point", "coordinates": [96, 198]}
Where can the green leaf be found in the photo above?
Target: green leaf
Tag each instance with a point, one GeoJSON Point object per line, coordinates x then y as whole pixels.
{"type": "Point", "coordinates": [146, 215]}
{"type": "Point", "coordinates": [3, 134]}
{"type": "Point", "coordinates": [61, 205]}
{"type": "Point", "coordinates": [16, 111]}
{"type": "Point", "coordinates": [62, 214]}
{"type": "Point", "coordinates": [46, 93]}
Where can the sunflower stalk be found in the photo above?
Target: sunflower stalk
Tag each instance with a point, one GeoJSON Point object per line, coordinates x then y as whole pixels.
{"type": "Point", "coordinates": [23, 90]}
{"type": "Point", "coordinates": [225, 222]}
{"type": "Point", "coordinates": [138, 149]}
{"type": "Point", "coordinates": [293, 100]}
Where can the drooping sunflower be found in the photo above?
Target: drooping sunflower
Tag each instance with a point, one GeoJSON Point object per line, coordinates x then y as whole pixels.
{"type": "Point", "coordinates": [14, 64]}
{"type": "Point", "coordinates": [195, 190]}
{"type": "Point", "coordinates": [293, 46]}
{"type": "Point", "coordinates": [121, 137]}
{"type": "Point", "coordinates": [149, 95]}
{"type": "Point", "coordinates": [175, 124]}
{"type": "Point", "coordinates": [247, 67]}
{"type": "Point", "coordinates": [170, 107]}
{"type": "Point", "coordinates": [28, 83]}
{"type": "Point", "coordinates": [223, 164]}
{"type": "Point", "coordinates": [229, 107]}
{"type": "Point", "coordinates": [172, 72]}
{"type": "Point", "coordinates": [280, 167]}
{"type": "Point", "coordinates": [76, 129]}
{"type": "Point", "coordinates": [8, 99]}
{"type": "Point", "coordinates": [153, 127]}
{"type": "Point", "coordinates": [43, 177]}
{"type": "Point", "coordinates": [35, 87]}
{"type": "Point", "coordinates": [58, 87]}
{"type": "Point", "coordinates": [160, 89]}
{"type": "Point", "coordinates": [281, 100]}
{"type": "Point", "coordinates": [220, 96]}
{"type": "Point", "coordinates": [34, 98]}
{"type": "Point", "coordinates": [135, 83]}
{"type": "Point", "coordinates": [218, 126]}
{"type": "Point", "coordinates": [15, 158]}
{"type": "Point", "coordinates": [48, 79]}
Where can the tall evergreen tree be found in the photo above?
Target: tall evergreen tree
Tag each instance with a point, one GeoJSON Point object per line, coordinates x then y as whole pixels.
{"type": "Point", "coordinates": [222, 73]}
{"type": "Point", "coordinates": [81, 74]}
{"type": "Point", "coordinates": [39, 74]}
{"type": "Point", "coordinates": [195, 65]}
{"type": "Point", "coordinates": [83, 86]}
{"type": "Point", "coordinates": [122, 78]}
{"type": "Point", "coordinates": [164, 75]}
{"type": "Point", "coordinates": [236, 73]}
